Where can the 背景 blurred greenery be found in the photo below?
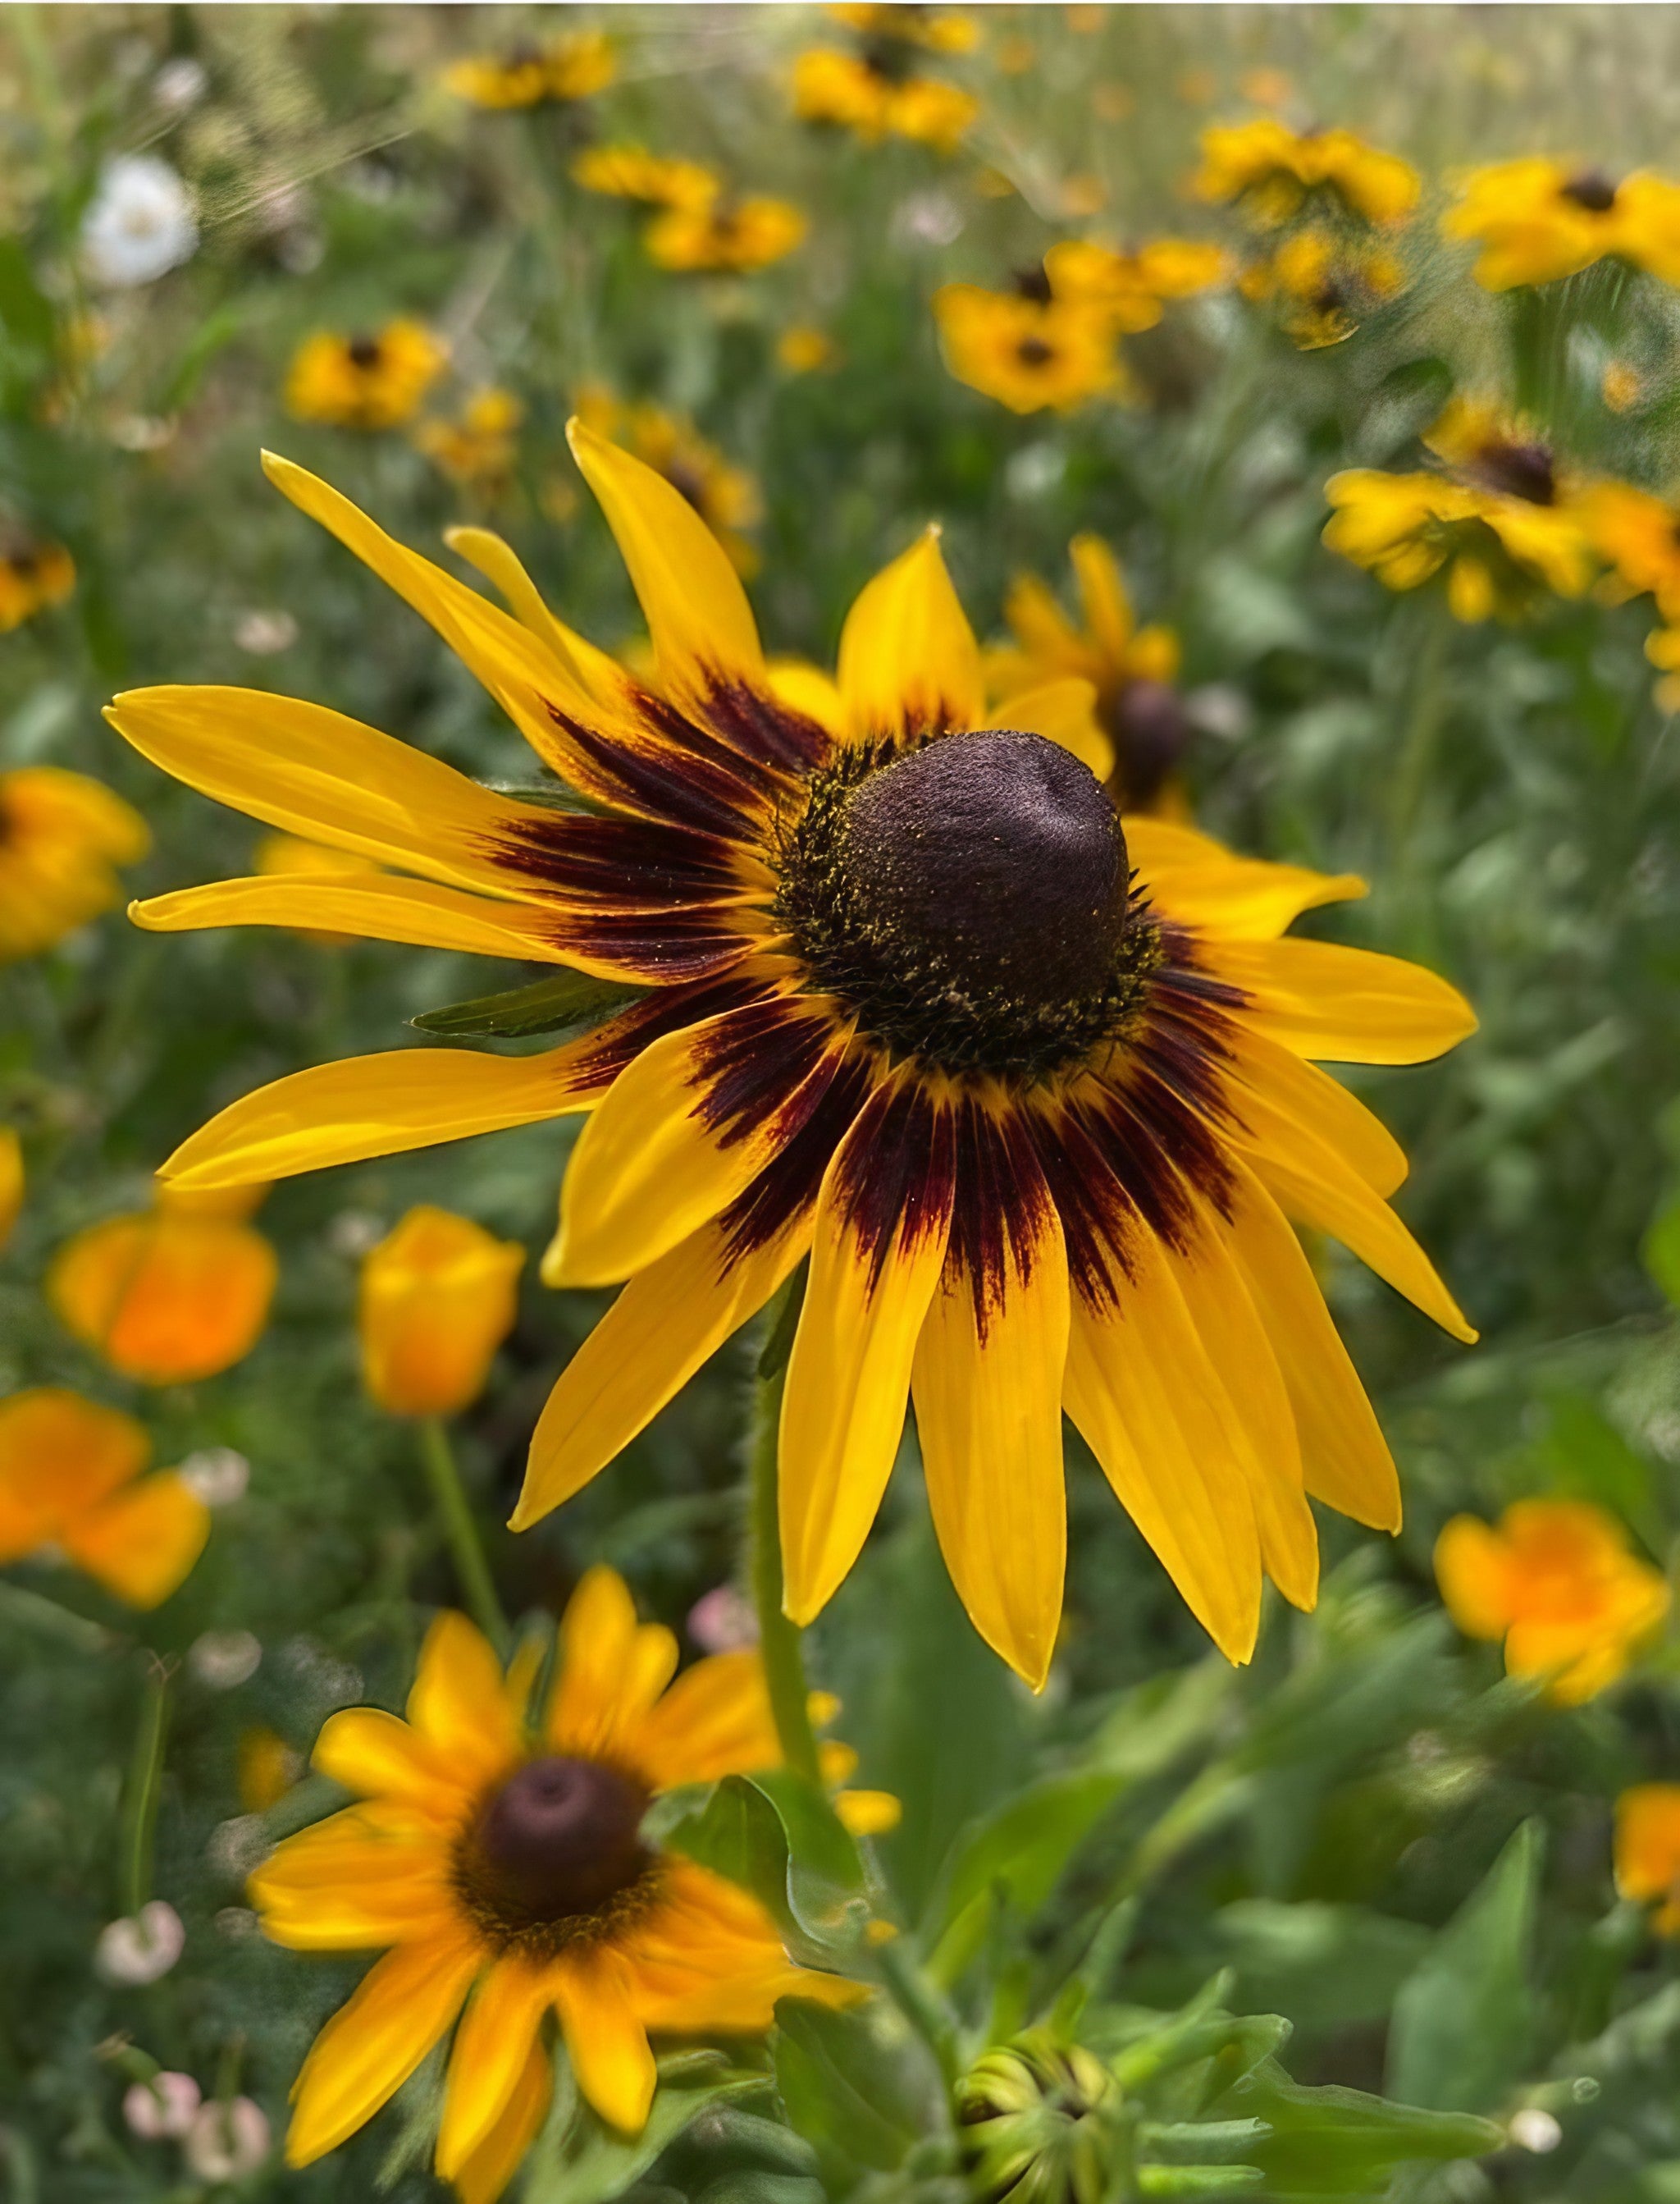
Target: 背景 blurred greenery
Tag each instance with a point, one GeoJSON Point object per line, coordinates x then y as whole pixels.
{"type": "Point", "coordinates": [1400, 1851]}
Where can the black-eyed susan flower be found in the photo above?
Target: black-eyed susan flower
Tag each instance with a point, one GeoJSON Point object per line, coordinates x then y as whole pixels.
{"type": "Point", "coordinates": [622, 171]}
{"type": "Point", "coordinates": [1324, 285]}
{"type": "Point", "coordinates": [1558, 1582]}
{"type": "Point", "coordinates": [172, 1294]}
{"type": "Point", "coordinates": [34, 574]}
{"type": "Point", "coordinates": [478, 447]}
{"type": "Point", "coordinates": [1026, 351]}
{"type": "Point", "coordinates": [497, 1851]}
{"type": "Point", "coordinates": [1638, 537]}
{"type": "Point", "coordinates": [1274, 174]}
{"type": "Point", "coordinates": [1033, 1090]}
{"type": "Point", "coordinates": [1501, 523]}
{"type": "Point", "coordinates": [1134, 285]}
{"type": "Point", "coordinates": [438, 1296]}
{"type": "Point", "coordinates": [1535, 220]}
{"type": "Point", "coordinates": [62, 838]}
{"type": "Point", "coordinates": [1131, 669]}
{"type": "Point", "coordinates": [934, 30]}
{"type": "Point", "coordinates": [879, 93]}
{"type": "Point", "coordinates": [575, 66]}
{"type": "Point", "coordinates": [376, 380]}
{"type": "Point", "coordinates": [726, 497]}
{"type": "Point", "coordinates": [802, 348]}
{"type": "Point", "coordinates": [72, 1483]}
{"type": "Point", "coordinates": [723, 234]}
{"type": "Point", "coordinates": [1647, 1852]}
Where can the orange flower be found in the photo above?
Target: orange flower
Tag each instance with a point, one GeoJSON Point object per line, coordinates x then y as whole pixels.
{"type": "Point", "coordinates": [1647, 1850]}
{"type": "Point", "coordinates": [439, 1295]}
{"type": "Point", "coordinates": [62, 838]}
{"type": "Point", "coordinates": [172, 1294]}
{"type": "Point", "coordinates": [68, 1472]}
{"type": "Point", "coordinates": [1556, 1581]}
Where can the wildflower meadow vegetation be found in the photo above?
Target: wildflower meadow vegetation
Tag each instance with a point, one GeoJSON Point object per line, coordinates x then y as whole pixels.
{"type": "Point", "coordinates": [839, 1105]}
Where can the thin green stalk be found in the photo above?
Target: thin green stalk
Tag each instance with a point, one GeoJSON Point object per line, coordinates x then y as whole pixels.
{"type": "Point", "coordinates": [472, 1571]}
{"type": "Point", "coordinates": [145, 1779]}
{"type": "Point", "coordinates": [922, 2005]}
{"type": "Point", "coordinates": [778, 1639]}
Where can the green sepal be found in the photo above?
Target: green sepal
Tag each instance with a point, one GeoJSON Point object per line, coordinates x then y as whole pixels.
{"type": "Point", "coordinates": [564, 999]}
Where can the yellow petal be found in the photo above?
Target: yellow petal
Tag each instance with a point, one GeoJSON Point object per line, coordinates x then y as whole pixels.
{"type": "Point", "coordinates": [481, 2177]}
{"type": "Point", "coordinates": [370, 2047]}
{"type": "Point", "coordinates": [603, 677]}
{"type": "Point", "coordinates": [492, 2050]}
{"type": "Point", "coordinates": [1473, 1569]}
{"type": "Point", "coordinates": [612, 1669]}
{"type": "Point", "coordinates": [869, 1813]}
{"type": "Point", "coordinates": [883, 1219]}
{"type": "Point", "coordinates": [377, 1105]}
{"type": "Point", "coordinates": [1345, 1005]}
{"type": "Point", "coordinates": [606, 2041]}
{"type": "Point", "coordinates": [458, 1705]}
{"type": "Point", "coordinates": [908, 659]}
{"type": "Point", "coordinates": [1224, 897]}
{"type": "Point", "coordinates": [379, 1756]}
{"type": "Point", "coordinates": [806, 688]}
{"type": "Point", "coordinates": [1108, 609]}
{"type": "Point", "coordinates": [1277, 1096]}
{"type": "Point", "coordinates": [316, 772]}
{"type": "Point", "coordinates": [1064, 712]}
{"type": "Point", "coordinates": [714, 1721]}
{"type": "Point", "coordinates": [668, 1320]}
{"type": "Point", "coordinates": [989, 1415]}
{"type": "Point", "coordinates": [141, 1544]}
{"type": "Point", "coordinates": [691, 596]}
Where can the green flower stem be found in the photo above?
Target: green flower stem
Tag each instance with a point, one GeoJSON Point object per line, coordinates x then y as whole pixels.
{"type": "Point", "coordinates": [145, 1778]}
{"type": "Point", "coordinates": [472, 1571]}
{"type": "Point", "coordinates": [778, 1639]}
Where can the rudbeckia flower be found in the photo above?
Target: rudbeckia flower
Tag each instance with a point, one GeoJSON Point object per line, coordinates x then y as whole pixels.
{"type": "Point", "coordinates": [1273, 173]}
{"type": "Point", "coordinates": [62, 838]}
{"type": "Point", "coordinates": [1028, 351]}
{"type": "Point", "coordinates": [1556, 1581]}
{"type": "Point", "coordinates": [725, 496]}
{"type": "Point", "coordinates": [875, 95]}
{"type": "Point", "coordinates": [1638, 535]}
{"type": "Point", "coordinates": [497, 1849]}
{"type": "Point", "coordinates": [33, 575]}
{"type": "Point", "coordinates": [1324, 286]}
{"type": "Point", "coordinates": [288, 857]}
{"type": "Point", "coordinates": [738, 235]}
{"type": "Point", "coordinates": [1132, 285]}
{"type": "Point", "coordinates": [574, 67]}
{"type": "Point", "coordinates": [631, 172]}
{"type": "Point", "coordinates": [1131, 669]}
{"type": "Point", "coordinates": [1647, 1850]}
{"type": "Point", "coordinates": [477, 447]}
{"type": "Point", "coordinates": [374, 381]}
{"type": "Point", "coordinates": [1033, 1089]}
{"type": "Point", "coordinates": [438, 1296]}
{"type": "Point", "coordinates": [173, 1294]}
{"type": "Point", "coordinates": [70, 1480]}
{"type": "Point", "coordinates": [936, 30]}
{"type": "Point", "coordinates": [1537, 220]}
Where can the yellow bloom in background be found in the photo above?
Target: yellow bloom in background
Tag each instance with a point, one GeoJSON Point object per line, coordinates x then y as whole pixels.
{"type": "Point", "coordinates": [70, 1480]}
{"type": "Point", "coordinates": [1662, 648]}
{"type": "Point", "coordinates": [1638, 537]}
{"type": "Point", "coordinates": [366, 382]}
{"type": "Point", "coordinates": [266, 1768]}
{"type": "Point", "coordinates": [62, 838]}
{"type": "Point", "coordinates": [804, 349]}
{"type": "Point", "coordinates": [573, 66]}
{"type": "Point", "coordinates": [171, 1295]}
{"type": "Point", "coordinates": [283, 857]}
{"type": "Point", "coordinates": [1324, 286]}
{"type": "Point", "coordinates": [1537, 220]}
{"type": "Point", "coordinates": [438, 1296]}
{"type": "Point", "coordinates": [631, 172]}
{"type": "Point", "coordinates": [855, 92]}
{"type": "Point", "coordinates": [478, 448]}
{"type": "Point", "coordinates": [11, 1180]}
{"type": "Point", "coordinates": [1556, 1581]}
{"type": "Point", "coordinates": [1647, 1850]}
{"type": "Point", "coordinates": [1267, 87]}
{"type": "Point", "coordinates": [1131, 670]}
{"type": "Point", "coordinates": [1273, 173]}
{"type": "Point", "coordinates": [1033, 1090]}
{"type": "Point", "coordinates": [1028, 353]}
{"type": "Point", "coordinates": [738, 235]}
{"type": "Point", "coordinates": [725, 496]}
{"type": "Point", "coordinates": [936, 30]}
{"type": "Point", "coordinates": [1622, 386]}
{"type": "Point", "coordinates": [33, 575]}
{"type": "Point", "coordinates": [496, 1849]}
{"type": "Point", "coordinates": [1131, 286]}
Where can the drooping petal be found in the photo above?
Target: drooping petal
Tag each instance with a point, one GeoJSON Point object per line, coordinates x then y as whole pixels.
{"type": "Point", "coordinates": [459, 1703]}
{"type": "Point", "coordinates": [141, 1543]}
{"type": "Point", "coordinates": [669, 1319]}
{"type": "Point", "coordinates": [988, 1382]}
{"type": "Point", "coordinates": [1345, 1005]}
{"type": "Point", "coordinates": [883, 1220]}
{"type": "Point", "coordinates": [482, 2177]}
{"type": "Point", "coordinates": [606, 2039]}
{"type": "Point", "coordinates": [908, 659]}
{"type": "Point", "coordinates": [1064, 712]}
{"type": "Point", "coordinates": [370, 2046]}
{"type": "Point", "coordinates": [492, 2050]}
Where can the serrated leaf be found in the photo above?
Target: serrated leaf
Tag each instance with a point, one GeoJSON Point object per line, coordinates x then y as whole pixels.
{"type": "Point", "coordinates": [564, 999]}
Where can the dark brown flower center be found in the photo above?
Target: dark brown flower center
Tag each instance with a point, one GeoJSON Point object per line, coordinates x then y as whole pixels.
{"type": "Point", "coordinates": [1591, 189]}
{"type": "Point", "coordinates": [1033, 351]}
{"type": "Point", "coordinates": [687, 480]}
{"type": "Point", "coordinates": [560, 1838]}
{"type": "Point", "coordinates": [1151, 732]}
{"type": "Point", "coordinates": [1032, 283]}
{"type": "Point", "coordinates": [1522, 471]}
{"type": "Point", "coordinates": [363, 351]}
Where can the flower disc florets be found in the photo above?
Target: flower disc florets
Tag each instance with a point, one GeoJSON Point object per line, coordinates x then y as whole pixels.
{"type": "Point", "coordinates": [554, 1851]}
{"type": "Point", "coordinates": [968, 900]}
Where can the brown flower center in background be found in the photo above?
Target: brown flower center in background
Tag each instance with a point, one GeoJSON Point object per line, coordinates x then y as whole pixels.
{"type": "Point", "coordinates": [1591, 189]}
{"type": "Point", "coordinates": [558, 1839]}
{"type": "Point", "coordinates": [1522, 471]}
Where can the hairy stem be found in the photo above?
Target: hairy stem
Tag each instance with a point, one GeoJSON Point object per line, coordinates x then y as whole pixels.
{"type": "Point", "coordinates": [778, 1639]}
{"type": "Point", "coordinates": [472, 1571]}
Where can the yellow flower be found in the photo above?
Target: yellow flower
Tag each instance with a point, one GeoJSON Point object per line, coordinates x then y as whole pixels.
{"type": "Point", "coordinates": [1556, 1581]}
{"type": "Point", "coordinates": [856, 92]}
{"type": "Point", "coordinates": [439, 1295]}
{"type": "Point", "coordinates": [1647, 1850]}
{"type": "Point", "coordinates": [267, 1768]}
{"type": "Point", "coordinates": [33, 575]}
{"type": "Point", "coordinates": [574, 67]}
{"type": "Point", "coordinates": [496, 1850]}
{"type": "Point", "coordinates": [1131, 285]}
{"type": "Point", "coordinates": [1537, 220]}
{"type": "Point", "coordinates": [478, 448]}
{"type": "Point", "coordinates": [739, 234]}
{"type": "Point", "coordinates": [1028, 353]}
{"type": "Point", "coordinates": [1639, 537]}
{"type": "Point", "coordinates": [802, 349]}
{"type": "Point", "coordinates": [936, 30]}
{"type": "Point", "coordinates": [1130, 669]}
{"type": "Point", "coordinates": [61, 837]}
{"type": "Point", "coordinates": [1662, 648]}
{"type": "Point", "coordinates": [725, 496]}
{"type": "Point", "coordinates": [1502, 525]}
{"type": "Point", "coordinates": [1622, 387]}
{"type": "Point", "coordinates": [170, 1295]}
{"type": "Point", "coordinates": [631, 172]}
{"type": "Point", "coordinates": [11, 1180]}
{"type": "Point", "coordinates": [899, 1010]}
{"type": "Point", "coordinates": [70, 1479]}
{"type": "Point", "coordinates": [1273, 173]}
{"type": "Point", "coordinates": [368, 381]}
{"type": "Point", "coordinates": [1325, 285]}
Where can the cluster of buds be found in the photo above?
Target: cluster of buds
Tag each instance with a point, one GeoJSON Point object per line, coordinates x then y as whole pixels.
{"type": "Point", "coordinates": [1041, 2122]}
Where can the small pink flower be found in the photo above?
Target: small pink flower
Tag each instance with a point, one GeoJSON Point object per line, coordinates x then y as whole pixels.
{"type": "Point", "coordinates": [164, 2106]}
{"type": "Point", "coordinates": [142, 1949]}
{"type": "Point", "coordinates": [721, 1621]}
{"type": "Point", "coordinates": [227, 2142]}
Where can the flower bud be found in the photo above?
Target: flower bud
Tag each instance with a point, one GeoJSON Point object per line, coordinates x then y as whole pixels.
{"type": "Point", "coordinates": [165, 2106]}
{"type": "Point", "coordinates": [142, 1948]}
{"type": "Point", "coordinates": [438, 1297]}
{"type": "Point", "coordinates": [1035, 2118]}
{"type": "Point", "coordinates": [227, 2142]}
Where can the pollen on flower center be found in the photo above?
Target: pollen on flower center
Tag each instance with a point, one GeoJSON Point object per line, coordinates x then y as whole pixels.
{"type": "Point", "coordinates": [968, 899]}
{"type": "Point", "coordinates": [558, 1840]}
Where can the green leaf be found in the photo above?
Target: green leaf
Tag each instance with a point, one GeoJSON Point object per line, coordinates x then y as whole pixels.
{"type": "Point", "coordinates": [730, 2155]}
{"type": "Point", "coordinates": [779, 1836]}
{"type": "Point", "coordinates": [548, 1005]}
{"type": "Point", "coordinates": [1327, 1966]}
{"type": "Point", "coordinates": [1343, 2142]}
{"type": "Point", "coordinates": [858, 2086]}
{"type": "Point", "coordinates": [1463, 2027]}
{"type": "Point", "coordinates": [25, 309]}
{"type": "Point", "coordinates": [1660, 1253]}
{"type": "Point", "coordinates": [579, 2159]}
